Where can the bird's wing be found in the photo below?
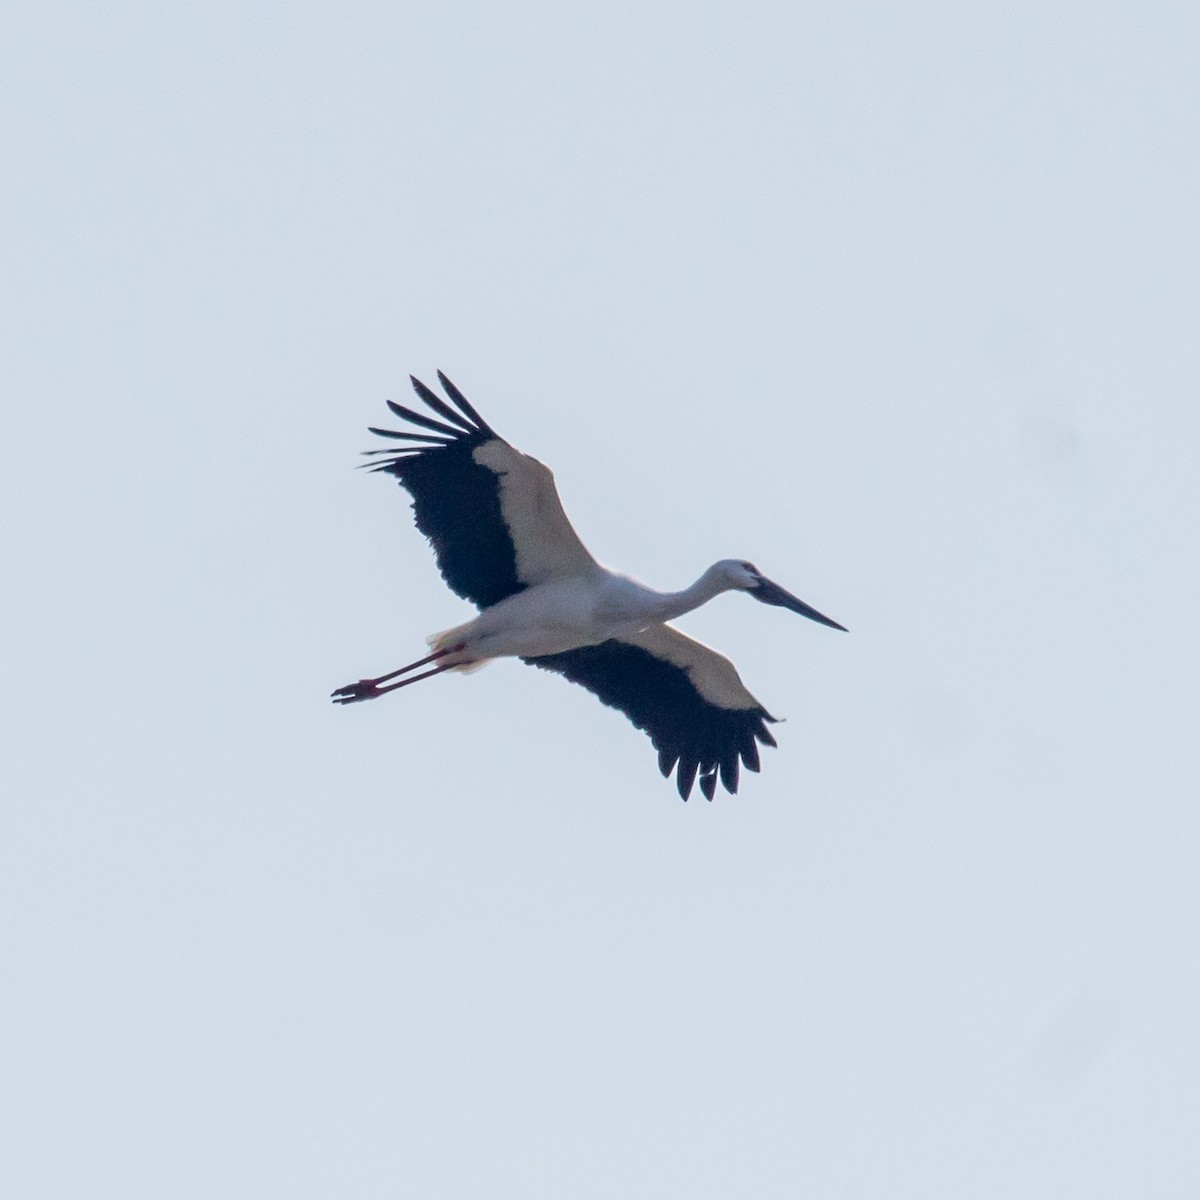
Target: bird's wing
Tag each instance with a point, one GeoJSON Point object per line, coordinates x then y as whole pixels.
{"type": "Point", "coordinates": [686, 696]}
{"type": "Point", "coordinates": [491, 513]}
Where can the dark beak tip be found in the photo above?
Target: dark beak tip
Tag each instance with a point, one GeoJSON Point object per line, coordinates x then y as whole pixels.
{"type": "Point", "coordinates": [771, 593]}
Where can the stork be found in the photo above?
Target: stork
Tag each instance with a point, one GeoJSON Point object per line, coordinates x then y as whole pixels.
{"type": "Point", "coordinates": [503, 542]}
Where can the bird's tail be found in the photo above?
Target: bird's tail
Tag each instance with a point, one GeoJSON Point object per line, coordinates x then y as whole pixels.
{"type": "Point", "coordinates": [450, 637]}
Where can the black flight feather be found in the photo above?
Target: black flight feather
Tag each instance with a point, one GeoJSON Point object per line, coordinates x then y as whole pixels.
{"type": "Point", "coordinates": [440, 407]}
{"type": "Point", "coordinates": [433, 439]}
{"type": "Point", "coordinates": [463, 403]}
{"type": "Point", "coordinates": [416, 418]}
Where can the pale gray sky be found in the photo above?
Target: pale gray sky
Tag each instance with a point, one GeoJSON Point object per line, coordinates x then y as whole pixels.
{"type": "Point", "coordinates": [900, 302]}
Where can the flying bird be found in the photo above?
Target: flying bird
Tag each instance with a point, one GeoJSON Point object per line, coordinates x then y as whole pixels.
{"type": "Point", "coordinates": [503, 542]}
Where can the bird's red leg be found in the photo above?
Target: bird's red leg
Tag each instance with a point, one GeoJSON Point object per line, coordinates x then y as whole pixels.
{"type": "Point", "coordinates": [412, 666]}
{"type": "Point", "coordinates": [391, 687]}
{"type": "Point", "coordinates": [368, 689]}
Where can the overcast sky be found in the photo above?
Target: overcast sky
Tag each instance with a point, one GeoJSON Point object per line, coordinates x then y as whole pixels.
{"type": "Point", "coordinates": [900, 302]}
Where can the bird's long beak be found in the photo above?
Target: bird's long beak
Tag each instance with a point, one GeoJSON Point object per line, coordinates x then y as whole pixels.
{"type": "Point", "coordinates": [772, 593]}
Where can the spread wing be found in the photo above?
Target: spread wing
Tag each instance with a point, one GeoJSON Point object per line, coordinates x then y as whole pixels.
{"type": "Point", "coordinates": [686, 696]}
{"type": "Point", "coordinates": [491, 513]}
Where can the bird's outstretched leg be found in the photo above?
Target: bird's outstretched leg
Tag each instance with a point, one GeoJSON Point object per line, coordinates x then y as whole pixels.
{"type": "Point", "coordinates": [368, 689]}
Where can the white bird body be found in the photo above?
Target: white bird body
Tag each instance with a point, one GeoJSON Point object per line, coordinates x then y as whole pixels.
{"type": "Point", "coordinates": [504, 542]}
{"type": "Point", "coordinates": [579, 610]}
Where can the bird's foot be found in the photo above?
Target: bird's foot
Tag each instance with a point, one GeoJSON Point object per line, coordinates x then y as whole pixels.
{"type": "Point", "coordinates": [364, 689]}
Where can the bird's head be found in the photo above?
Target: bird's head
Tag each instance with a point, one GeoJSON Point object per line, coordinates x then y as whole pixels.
{"type": "Point", "coordinates": [746, 577]}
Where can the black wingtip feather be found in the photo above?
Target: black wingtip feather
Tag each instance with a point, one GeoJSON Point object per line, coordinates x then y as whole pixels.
{"type": "Point", "coordinates": [389, 466]}
{"type": "Point", "coordinates": [407, 414]}
{"type": "Point", "coordinates": [467, 407]}
{"type": "Point", "coordinates": [440, 407]}
{"type": "Point", "coordinates": [686, 776]}
{"type": "Point", "coordinates": [750, 753]}
{"type": "Point", "coordinates": [729, 773]}
{"type": "Point", "coordinates": [431, 438]}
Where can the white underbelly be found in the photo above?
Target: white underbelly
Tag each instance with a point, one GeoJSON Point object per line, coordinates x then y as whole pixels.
{"type": "Point", "coordinates": [546, 620]}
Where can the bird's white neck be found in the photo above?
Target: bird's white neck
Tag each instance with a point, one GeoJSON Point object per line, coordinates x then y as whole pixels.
{"type": "Point", "coordinates": [670, 605]}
